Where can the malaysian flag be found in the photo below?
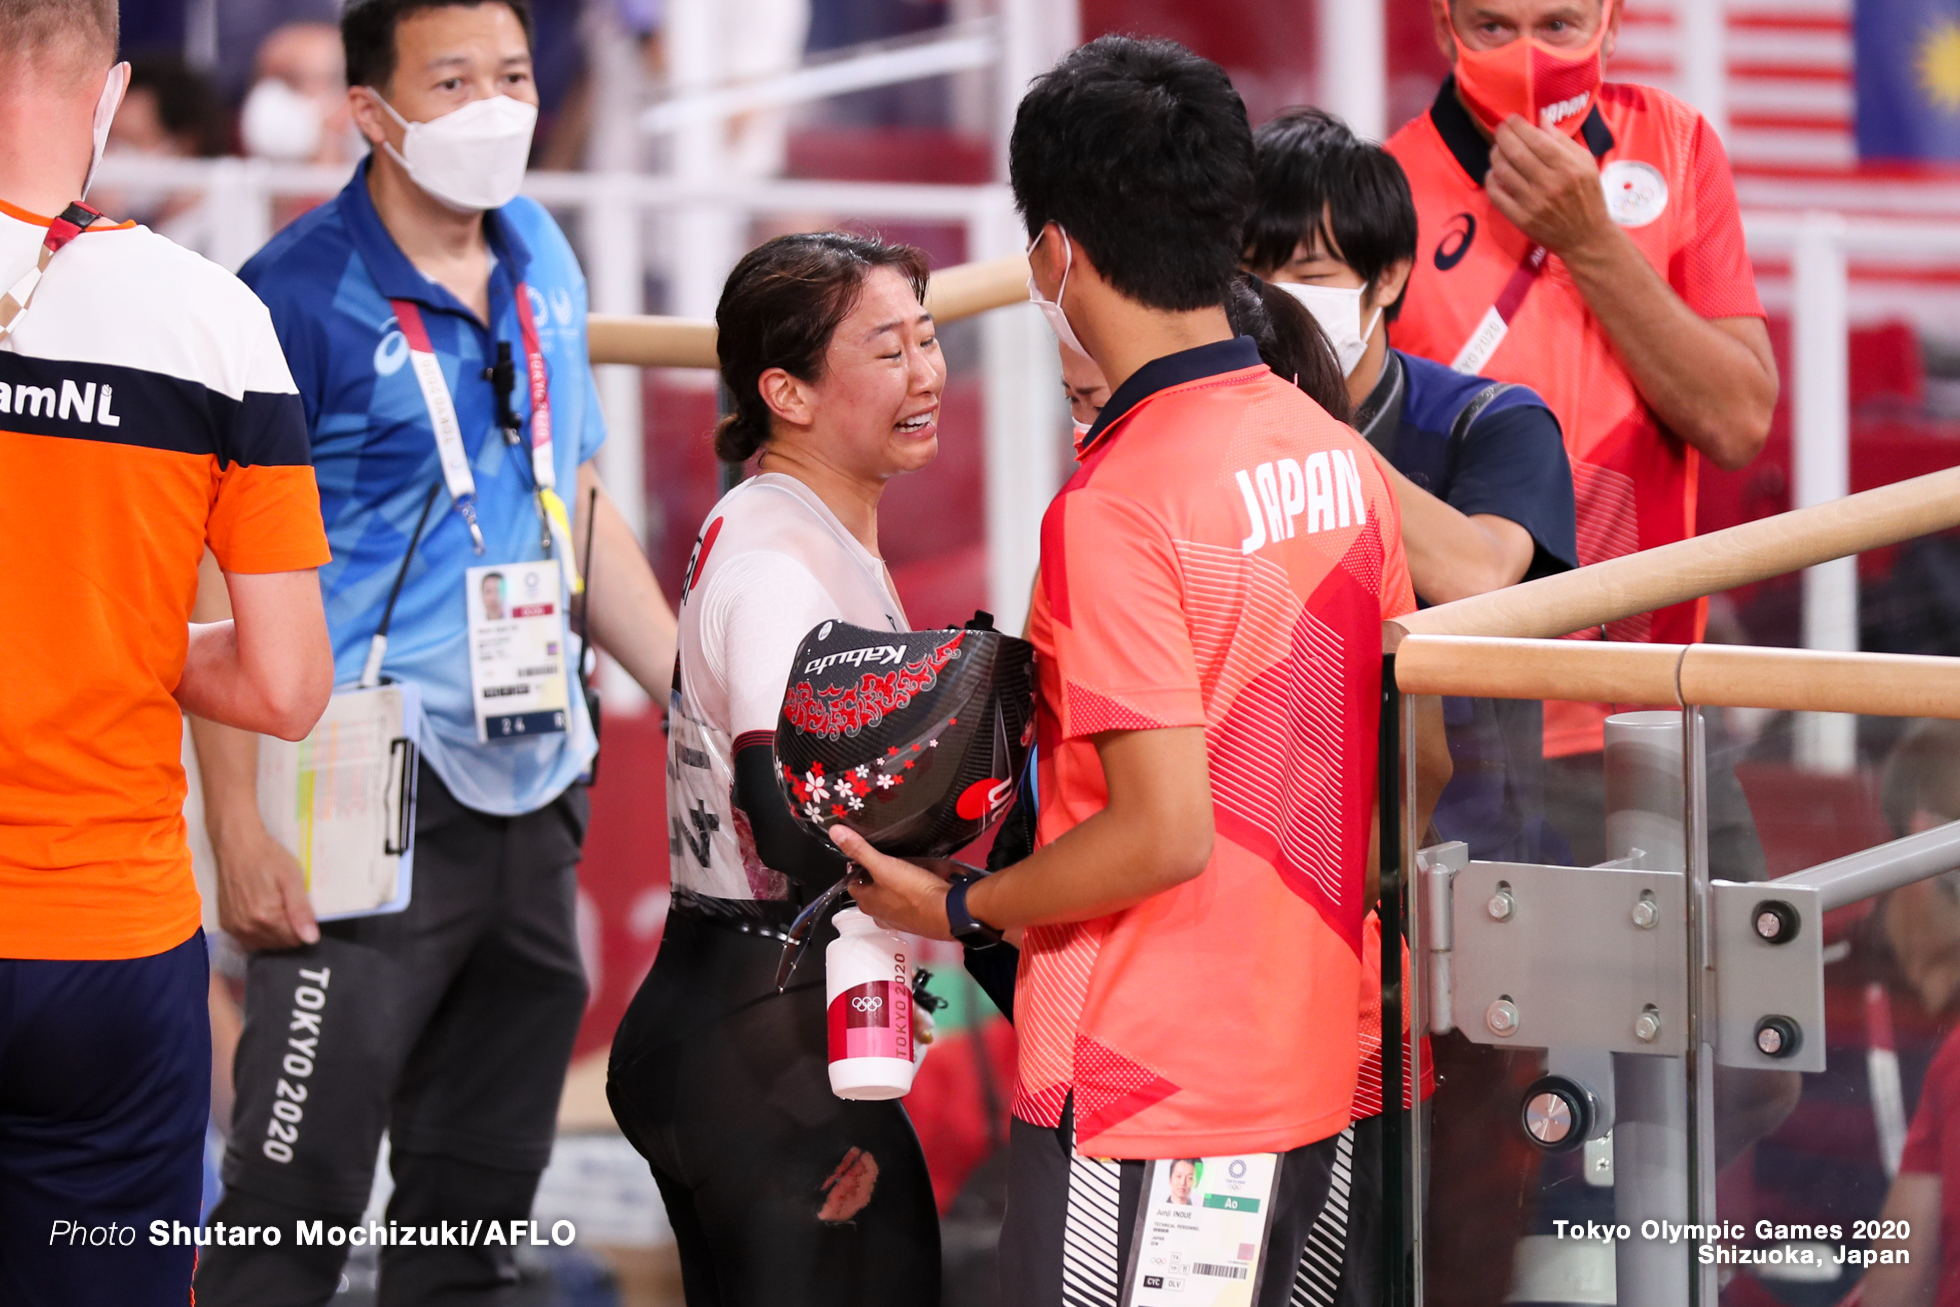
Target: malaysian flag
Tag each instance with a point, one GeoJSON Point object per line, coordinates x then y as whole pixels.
{"type": "Point", "coordinates": [1908, 79]}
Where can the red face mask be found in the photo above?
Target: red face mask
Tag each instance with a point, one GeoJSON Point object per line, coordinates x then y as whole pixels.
{"type": "Point", "coordinates": [1545, 85]}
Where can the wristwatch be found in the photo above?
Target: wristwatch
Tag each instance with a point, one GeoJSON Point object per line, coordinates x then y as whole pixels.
{"type": "Point", "coordinates": [967, 929]}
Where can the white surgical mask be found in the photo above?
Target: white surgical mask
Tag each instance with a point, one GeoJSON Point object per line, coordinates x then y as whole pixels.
{"type": "Point", "coordinates": [1052, 309]}
{"type": "Point", "coordinates": [472, 158]}
{"type": "Point", "coordinates": [1081, 430]}
{"type": "Point", "coordinates": [105, 114]}
{"type": "Point", "coordinates": [278, 122]}
{"type": "Point", "coordinates": [1338, 311]}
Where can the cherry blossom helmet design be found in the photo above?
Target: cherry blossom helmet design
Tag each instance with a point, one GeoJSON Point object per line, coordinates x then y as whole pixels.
{"type": "Point", "coordinates": [916, 740]}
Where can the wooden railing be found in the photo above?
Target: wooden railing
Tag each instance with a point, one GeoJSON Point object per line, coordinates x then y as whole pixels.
{"type": "Point", "coordinates": [1709, 675]}
{"type": "Point", "coordinates": [1496, 645]}
{"type": "Point", "coordinates": [1704, 565]}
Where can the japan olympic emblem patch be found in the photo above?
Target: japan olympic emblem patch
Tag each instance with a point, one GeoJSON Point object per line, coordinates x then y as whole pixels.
{"type": "Point", "coordinates": [1636, 193]}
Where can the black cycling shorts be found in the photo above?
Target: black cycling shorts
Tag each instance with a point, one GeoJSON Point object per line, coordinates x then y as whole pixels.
{"type": "Point", "coordinates": [780, 1193]}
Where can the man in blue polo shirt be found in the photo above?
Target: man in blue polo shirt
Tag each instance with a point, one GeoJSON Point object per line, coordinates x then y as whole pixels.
{"type": "Point", "coordinates": [1479, 468]}
{"type": "Point", "coordinates": [436, 328]}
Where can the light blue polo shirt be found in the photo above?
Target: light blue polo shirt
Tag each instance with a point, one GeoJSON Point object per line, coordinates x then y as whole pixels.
{"type": "Point", "coordinates": [328, 279]}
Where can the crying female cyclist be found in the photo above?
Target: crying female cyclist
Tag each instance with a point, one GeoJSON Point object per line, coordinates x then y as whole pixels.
{"type": "Point", "coordinates": [779, 1192]}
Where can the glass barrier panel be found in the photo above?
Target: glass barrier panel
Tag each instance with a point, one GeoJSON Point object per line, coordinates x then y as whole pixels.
{"type": "Point", "coordinates": [1830, 1182]}
{"type": "Point", "coordinates": [1655, 1073]}
{"type": "Point", "coordinates": [1551, 947]}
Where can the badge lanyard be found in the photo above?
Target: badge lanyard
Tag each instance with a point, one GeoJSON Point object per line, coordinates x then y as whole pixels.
{"type": "Point", "coordinates": [456, 473]}
{"type": "Point", "coordinates": [74, 220]}
{"type": "Point", "coordinates": [1496, 322]}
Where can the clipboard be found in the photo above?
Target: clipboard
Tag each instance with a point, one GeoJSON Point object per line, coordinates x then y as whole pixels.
{"type": "Point", "coordinates": [342, 800]}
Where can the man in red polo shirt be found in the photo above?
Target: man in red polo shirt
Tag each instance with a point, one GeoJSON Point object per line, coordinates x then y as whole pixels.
{"type": "Point", "coordinates": [1208, 617]}
{"type": "Point", "coordinates": [1582, 238]}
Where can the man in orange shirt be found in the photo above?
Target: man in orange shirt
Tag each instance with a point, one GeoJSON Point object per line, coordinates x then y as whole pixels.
{"type": "Point", "coordinates": [1208, 617]}
{"type": "Point", "coordinates": [145, 413]}
{"type": "Point", "coordinates": [1582, 238]}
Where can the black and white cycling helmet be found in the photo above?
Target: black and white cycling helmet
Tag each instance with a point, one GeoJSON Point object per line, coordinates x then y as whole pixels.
{"type": "Point", "coordinates": [916, 740]}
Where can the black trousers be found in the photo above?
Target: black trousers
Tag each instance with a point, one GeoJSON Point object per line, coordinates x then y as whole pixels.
{"type": "Point", "coordinates": [781, 1194]}
{"type": "Point", "coordinates": [1350, 1229]}
{"type": "Point", "coordinates": [449, 1025]}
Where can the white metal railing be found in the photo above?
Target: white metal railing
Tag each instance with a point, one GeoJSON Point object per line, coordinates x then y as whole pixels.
{"type": "Point", "coordinates": [1819, 245]}
{"type": "Point", "coordinates": [965, 48]}
{"type": "Point", "coordinates": [1353, 65]}
{"type": "Point", "coordinates": [1701, 30]}
{"type": "Point", "coordinates": [242, 192]}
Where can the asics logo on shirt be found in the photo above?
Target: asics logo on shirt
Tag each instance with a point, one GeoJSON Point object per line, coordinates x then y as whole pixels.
{"type": "Point", "coordinates": [391, 353]}
{"type": "Point", "coordinates": [1326, 488]}
{"type": "Point", "coordinates": [1456, 241]}
{"type": "Point", "coordinates": [72, 403]}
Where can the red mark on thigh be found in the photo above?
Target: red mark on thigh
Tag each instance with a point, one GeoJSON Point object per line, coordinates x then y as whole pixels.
{"type": "Point", "coordinates": [849, 1187]}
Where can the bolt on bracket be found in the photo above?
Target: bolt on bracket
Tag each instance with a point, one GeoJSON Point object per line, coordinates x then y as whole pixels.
{"type": "Point", "coordinates": [1767, 942]}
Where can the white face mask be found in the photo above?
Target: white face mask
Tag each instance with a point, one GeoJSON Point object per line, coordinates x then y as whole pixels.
{"type": "Point", "coordinates": [1081, 430]}
{"type": "Point", "coordinates": [472, 158]}
{"type": "Point", "coordinates": [1338, 311]}
{"type": "Point", "coordinates": [1052, 309]}
{"type": "Point", "coordinates": [105, 114]}
{"type": "Point", "coordinates": [278, 122]}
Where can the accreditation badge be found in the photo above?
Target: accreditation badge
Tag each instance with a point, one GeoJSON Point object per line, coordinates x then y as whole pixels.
{"type": "Point", "coordinates": [517, 651]}
{"type": "Point", "coordinates": [1201, 1231]}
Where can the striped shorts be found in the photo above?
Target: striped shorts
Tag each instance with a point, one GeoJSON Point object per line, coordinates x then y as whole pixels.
{"type": "Point", "coordinates": [1071, 1221]}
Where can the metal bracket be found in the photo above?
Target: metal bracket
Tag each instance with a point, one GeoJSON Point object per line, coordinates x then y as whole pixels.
{"type": "Point", "coordinates": [1581, 957]}
{"type": "Point", "coordinates": [1596, 958]}
{"type": "Point", "coordinates": [1768, 947]}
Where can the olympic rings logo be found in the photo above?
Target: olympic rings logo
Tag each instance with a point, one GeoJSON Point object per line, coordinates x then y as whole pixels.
{"type": "Point", "coordinates": [867, 1004]}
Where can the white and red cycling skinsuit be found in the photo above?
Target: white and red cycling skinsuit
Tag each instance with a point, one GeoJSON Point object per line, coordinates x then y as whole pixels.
{"type": "Point", "coordinates": [771, 563]}
{"type": "Point", "coordinates": [777, 1190]}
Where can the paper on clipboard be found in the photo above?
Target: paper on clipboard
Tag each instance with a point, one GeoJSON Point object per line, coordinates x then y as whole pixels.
{"type": "Point", "coordinates": [343, 801]}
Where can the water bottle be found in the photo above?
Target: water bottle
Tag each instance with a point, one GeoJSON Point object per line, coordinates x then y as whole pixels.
{"type": "Point", "coordinates": [868, 985]}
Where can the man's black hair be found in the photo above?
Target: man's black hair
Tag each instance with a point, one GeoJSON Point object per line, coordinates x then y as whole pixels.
{"type": "Point", "coordinates": [1318, 182]}
{"type": "Point", "coordinates": [1142, 152]}
{"type": "Point", "coordinates": [367, 32]}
